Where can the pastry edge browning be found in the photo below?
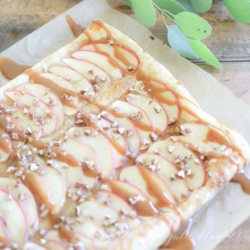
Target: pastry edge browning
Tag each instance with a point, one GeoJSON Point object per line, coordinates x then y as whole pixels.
{"type": "Point", "coordinates": [153, 232]}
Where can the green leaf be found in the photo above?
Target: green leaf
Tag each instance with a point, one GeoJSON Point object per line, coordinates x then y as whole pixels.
{"type": "Point", "coordinates": [171, 6]}
{"type": "Point", "coordinates": [144, 11]}
{"type": "Point", "coordinates": [240, 9]}
{"type": "Point", "coordinates": [202, 5]}
{"type": "Point", "coordinates": [128, 2]}
{"type": "Point", "coordinates": [179, 42]}
{"type": "Point", "coordinates": [204, 53]}
{"type": "Point", "coordinates": [188, 6]}
{"type": "Point", "coordinates": [193, 26]}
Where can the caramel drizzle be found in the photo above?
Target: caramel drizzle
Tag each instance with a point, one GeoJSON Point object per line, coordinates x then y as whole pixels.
{"type": "Point", "coordinates": [244, 181]}
{"type": "Point", "coordinates": [11, 69]}
{"type": "Point", "coordinates": [59, 91]}
{"type": "Point", "coordinates": [75, 27]}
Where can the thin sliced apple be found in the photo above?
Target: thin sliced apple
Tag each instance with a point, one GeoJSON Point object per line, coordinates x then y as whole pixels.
{"type": "Point", "coordinates": [41, 112]}
{"type": "Point", "coordinates": [62, 88]}
{"type": "Point", "coordinates": [86, 158]}
{"type": "Point", "coordinates": [134, 196]}
{"type": "Point", "coordinates": [102, 214]}
{"type": "Point", "coordinates": [167, 171]}
{"type": "Point", "coordinates": [165, 96]}
{"type": "Point", "coordinates": [50, 187]}
{"type": "Point", "coordinates": [32, 246]}
{"type": "Point", "coordinates": [7, 122]}
{"type": "Point", "coordinates": [4, 236]}
{"type": "Point", "coordinates": [13, 218]}
{"type": "Point", "coordinates": [83, 87]}
{"type": "Point", "coordinates": [48, 97]}
{"type": "Point", "coordinates": [212, 149]}
{"type": "Point", "coordinates": [100, 60]}
{"type": "Point", "coordinates": [98, 144]}
{"type": "Point", "coordinates": [204, 132]}
{"type": "Point", "coordinates": [135, 114]}
{"type": "Point", "coordinates": [153, 109]}
{"type": "Point", "coordinates": [188, 164]}
{"type": "Point", "coordinates": [113, 200]}
{"type": "Point", "coordinates": [118, 204]}
{"type": "Point", "coordinates": [5, 146]}
{"type": "Point", "coordinates": [93, 73]}
{"type": "Point", "coordinates": [128, 129]}
{"type": "Point", "coordinates": [150, 183]}
{"type": "Point", "coordinates": [72, 175]}
{"type": "Point", "coordinates": [117, 141]}
{"type": "Point", "coordinates": [120, 53]}
{"type": "Point", "coordinates": [25, 124]}
{"type": "Point", "coordinates": [25, 199]}
{"type": "Point", "coordinates": [90, 228]}
{"type": "Point", "coordinates": [53, 241]}
{"type": "Point", "coordinates": [82, 239]}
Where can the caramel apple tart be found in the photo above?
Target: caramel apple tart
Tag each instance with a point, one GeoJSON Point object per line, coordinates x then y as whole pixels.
{"type": "Point", "coordinates": [102, 148]}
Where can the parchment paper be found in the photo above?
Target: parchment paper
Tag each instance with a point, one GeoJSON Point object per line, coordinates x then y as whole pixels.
{"type": "Point", "coordinates": [231, 207]}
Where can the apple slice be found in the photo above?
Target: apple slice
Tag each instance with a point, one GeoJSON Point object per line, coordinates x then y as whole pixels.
{"type": "Point", "coordinates": [150, 183]}
{"type": "Point", "coordinates": [4, 236]}
{"type": "Point", "coordinates": [117, 141]}
{"type": "Point", "coordinates": [15, 225]}
{"type": "Point", "coordinates": [128, 129]}
{"type": "Point", "coordinates": [48, 97]}
{"type": "Point", "coordinates": [20, 124]}
{"type": "Point", "coordinates": [188, 164]}
{"type": "Point", "coordinates": [167, 171]}
{"type": "Point", "coordinates": [25, 198]}
{"type": "Point", "coordinates": [42, 113]}
{"type": "Point", "coordinates": [7, 122]}
{"type": "Point", "coordinates": [203, 132]}
{"type": "Point", "coordinates": [100, 213]}
{"type": "Point", "coordinates": [118, 204]}
{"type": "Point", "coordinates": [100, 60]}
{"type": "Point", "coordinates": [5, 146]}
{"type": "Point", "coordinates": [140, 119]}
{"type": "Point", "coordinates": [77, 239]}
{"type": "Point", "coordinates": [71, 174]}
{"type": "Point", "coordinates": [134, 196]}
{"type": "Point", "coordinates": [62, 88]}
{"type": "Point", "coordinates": [90, 228]}
{"type": "Point", "coordinates": [160, 92]}
{"type": "Point", "coordinates": [93, 73]}
{"type": "Point", "coordinates": [83, 87]}
{"type": "Point", "coordinates": [86, 158]}
{"type": "Point", "coordinates": [210, 149]}
{"type": "Point", "coordinates": [153, 109]}
{"type": "Point", "coordinates": [120, 53]}
{"type": "Point", "coordinates": [32, 246]}
{"type": "Point", "coordinates": [98, 144]}
{"type": "Point", "coordinates": [50, 187]}
{"type": "Point", "coordinates": [54, 241]}
{"type": "Point", "coordinates": [137, 115]}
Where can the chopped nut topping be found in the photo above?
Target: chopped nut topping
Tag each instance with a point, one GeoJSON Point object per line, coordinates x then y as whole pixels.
{"type": "Point", "coordinates": [158, 108]}
{"type": "Point", "coordinates": [121, 130]}
{"type": "Point", "coordinates": [181, 174]}
{"type": "Point", "coordinates": [170, 149]}
{"type": "Point", "coordinates": [134, 199]}
{"type": "Point", "coordinates": [153, 136]}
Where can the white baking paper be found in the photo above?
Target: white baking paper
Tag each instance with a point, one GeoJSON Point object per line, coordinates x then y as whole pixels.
{"type": "Point", "coordinates": [231, 207]}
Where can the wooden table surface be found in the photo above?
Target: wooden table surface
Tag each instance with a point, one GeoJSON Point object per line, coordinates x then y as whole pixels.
{"type": "Point", "coordinates": [230, 42]}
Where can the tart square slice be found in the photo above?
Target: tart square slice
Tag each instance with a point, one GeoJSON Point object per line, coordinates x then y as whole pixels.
{"type": "Point", "coordinates": [111, 150]}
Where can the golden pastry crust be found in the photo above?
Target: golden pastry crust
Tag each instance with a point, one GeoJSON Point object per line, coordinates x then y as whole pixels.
{"type": "Point", "coordinates": [152, 232]}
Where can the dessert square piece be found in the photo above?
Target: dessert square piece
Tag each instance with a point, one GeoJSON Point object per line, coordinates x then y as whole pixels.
{"type": "Point", "coordinates": [102, 148]}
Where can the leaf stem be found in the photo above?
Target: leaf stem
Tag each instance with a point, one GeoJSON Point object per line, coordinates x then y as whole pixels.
{"type": "Point", "coordinates": [162, 11]}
